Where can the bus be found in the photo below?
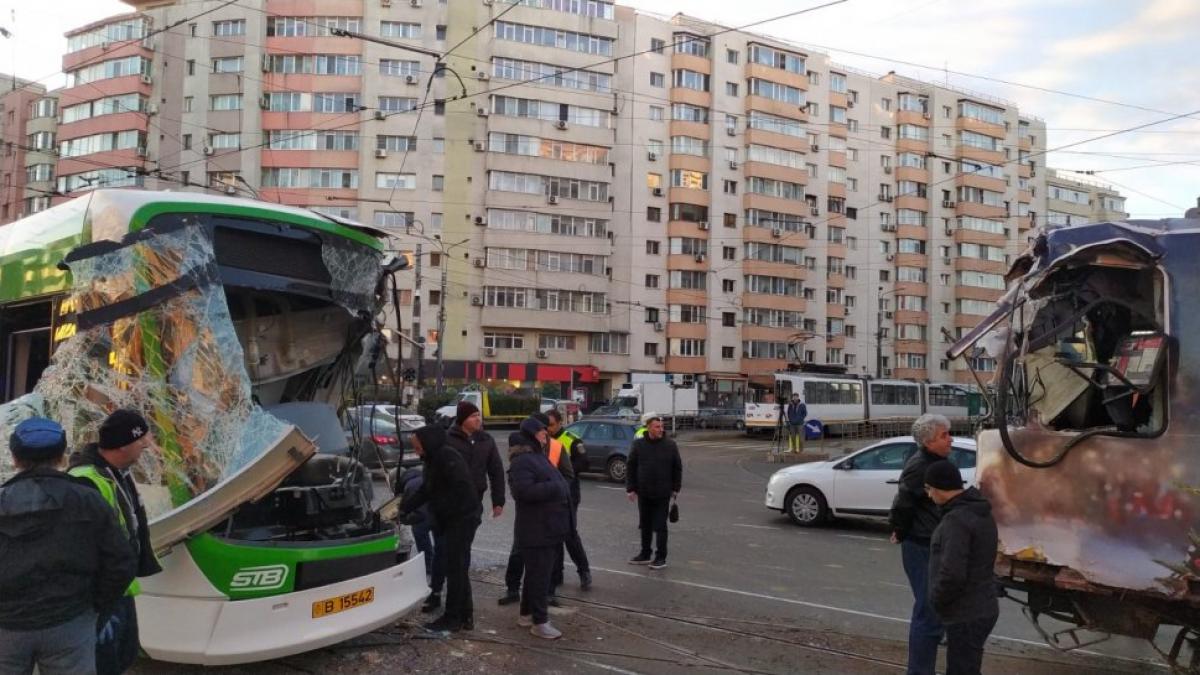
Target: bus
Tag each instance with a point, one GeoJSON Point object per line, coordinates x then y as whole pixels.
{"type": "Point", "coordinates": [840, 403]}
{"type": "Point", "coordinates": [236, 327]}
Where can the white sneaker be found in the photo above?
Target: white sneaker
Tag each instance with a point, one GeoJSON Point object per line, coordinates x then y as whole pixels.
{"type": "Point", "coordinates": [545, 631]}
{"type": "Point", "coordinates": [525, 620]}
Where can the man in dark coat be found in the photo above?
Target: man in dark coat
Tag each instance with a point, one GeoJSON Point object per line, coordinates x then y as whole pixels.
{"type": "Point", "coordinates": [563, 443]}
{"type": "Point", "coordinates": [448, 489]}
{"type": "Point", "coordinates": [124, 436]}
{"type": "Point", "coordinates": [479, 449]}
{"type": "Point", "coordinates": [913, 518]}
{"type": "Point", "coordinates": [796, 414]}
{"type": "Point", "coordinates": [653, 477]}
{"type": "Point", "coordinates": [64, 559]}
{"type": "Point", "coordinates": [543, 521]}
{"type": "Point", "coordinates": [962, 584]}
{"type": "Point", "coordinates": [421, 522]}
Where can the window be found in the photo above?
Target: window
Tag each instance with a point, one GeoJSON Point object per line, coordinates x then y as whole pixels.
{"type": "Point", "coordinates": [689, 79]}
{"type": "Point", "coordinates": [398, 67]}
{"type": "Point", "coordinates": [688, 279]}
{"type": "Point", "coordinates": [656, 113]}
{"type": "Point", "coordinates": [657, 45]}
{"type": "Point", "coordinates": [395, 181]}
{"type": "Point", "coordinates": [728, 253]}
{"type": "Point", "coordinates": [731, 56]}
{"type": "Point", "coordinates": [439, 183]}
{"type": "Point", "coordinates": [225, 102]}
{"type": "Point", "coordinates": [393, 219]}
{"type": "Point", "coordinates": [980, 112]}
{"type": "Point", "coordinates": [227, 64]}
{"type": "Point", "coordinates": [777, 58]}
{"type": "Point", "coordinates": [728, 285]}
{"type": "Point", "coordinates": [687, 346]}
{"type": "Point", "coordinates": [731, 89]}
{"type": "Point", "coordinates": [691, 44]}
{"type": "Point", "coordinates": [651, 281]}
{"type": "Point", "coordinates": [776, 91]}
{"type": "Point", "coordinates": [651, 315]}
{"type": "Point", "coordinates": [685, 178]}
{"type": "Point", "coordinates": [763, 349]}
{"type": "Point", "coordinates": [400, 29]}
{"type": "Point", "coordinates": [658, 80]}
{"type": "Point", "coordinates": [226, 141]}
{"type": "Point", "coordinates": [187, 141]}
{"type": "Point", "coordinates": [653, 214]}
{"type": "Point", "coordinates": [556, 343]}
{"type": "Point", "coordinates": [684, 112]}
{"type": "Point", "coordinates": [730, 187]}
{"type": "Point", "coordinates": [122, 67]}
{"type": "Point", "coordinates": [730, 220]}
{"type": "Point", "coordinates": [650, 349]}
{"type": "Point", "coordinates": [549, 75]}
{"type": "Point", "coordinates": [608, 343]}
{"type": "Point", "coordinates": [504, 340]}
{"type": "Point", "coordinates": [439, 33]}
{"type": "Point", "coordinates": [652, 247]}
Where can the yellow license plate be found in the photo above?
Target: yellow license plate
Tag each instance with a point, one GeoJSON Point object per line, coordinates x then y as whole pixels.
{"type": "Point", "coordinates": [343, 602]}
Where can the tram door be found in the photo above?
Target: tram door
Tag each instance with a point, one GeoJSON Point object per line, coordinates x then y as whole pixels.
{"type": "Point", "coordinates": [25, 334]}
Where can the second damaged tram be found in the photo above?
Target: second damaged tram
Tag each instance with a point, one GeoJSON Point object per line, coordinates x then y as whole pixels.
{"type": "Point", "coordinates": [1093, 471]}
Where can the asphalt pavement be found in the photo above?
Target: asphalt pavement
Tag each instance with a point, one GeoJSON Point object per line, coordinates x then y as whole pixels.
{"type": "Point", "coordinates": [745, 591]}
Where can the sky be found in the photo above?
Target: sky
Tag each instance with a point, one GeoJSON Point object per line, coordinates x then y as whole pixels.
{"type": "Point", "coordinates": [1124, 63]}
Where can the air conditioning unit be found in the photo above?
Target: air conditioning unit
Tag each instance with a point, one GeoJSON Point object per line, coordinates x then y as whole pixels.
{"type": "Point", "coordinates": [146, 79]}
{"type": "Point", "coordinates": [151, 108]}
{"type": "Point", "coordinates": [380, 153]}
{"type": "Point", "coordinates": [652, 156]}
{"type": "Point", "coordinates": [380, 115]}
{"type": "Point", "coordinates": [543, 353]}
{"type": "Point", "coordinates": [730, 131]}
{"type": "Point", "coordinates": [208, 149]}
{"type": "Point", "coordinates": [414, 3]}
{"type": "Point", "coordinates": [702, 224]}
{"type": "Point", "coordinates": [481, 111]}
{"type": "Point", "coordinates": [481, 221]}
{"type": "Point", "coordinates": [887, 169]}
{"type": "Point", "coordinates": [410, 79]}
{"type": "Point", "coordinates": [949, 231]}
{"type": "Point", "coordinates": [476, 301]}
{"type": "Point", "coordinates": [946, 203]}
{"type": "Point", "coordinates": [660, 359]}
{"type": "Point", "coordinates": [658, 327]}
{"type": "Point", "coordinates": [777, 233]}
{"type": "Point", "coordinates": [658, 192]}
{"type": "Point", "coordinates": [733, 165]}
{"type": "Point", "coordinates": [479, 262]}
{"type": "Point", "coordinates": [230, 190]}
{"type": "Point", "coordinates": [552, 199]}
{"type": "Point", "coordinates": [700, 257]}
{"type": "Point", "coordinates": [264, 101]}
{"type": "Point", "coordinates": [928, 116]}
{"type": "Point", "coordinates": [481, 75]}
{"type": "Point", "coordinates": [480, 147]}
{"type": "Point", "coordinates": [849, 104]}
{"type": "Point", "coordinates": [489, 351]}
{"type": "Point", "coordinates": [141, 151]}
{"type": "Point", "coordinates": [816, 148]}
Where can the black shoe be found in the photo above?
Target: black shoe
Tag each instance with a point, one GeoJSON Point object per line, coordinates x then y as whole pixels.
{"type": "Point", "coordinates": [509, 598]}
{"type": "Point", "coordinates": [658, 563]}
{"type": "Point", "coordinates": [443, 625]}
{"type": "Point", "coordinates": [585, 580]}
{"type": "Point", "coordinates": [432, 603]}
{"type": "Point", "coordinates": [553, 601]}
{"type": "Point", "coordinates": [469, 624]}
{"type": "Point", "coordinates": [640, 559]}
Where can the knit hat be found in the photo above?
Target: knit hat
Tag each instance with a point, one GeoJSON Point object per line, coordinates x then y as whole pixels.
{"type": "Point", "coordinates": [541, 417]}
{"type": "Point", "coordinates": [432, 437]}
{"type": "Point", "coordinates": [465, 410]}
{"type": "Point", "coordinates": [532, 425]}
{"type": "Point", "coordinates": [122, 428]}
{"type": "Point", "coordinates": [36, 439]}
{"type": "Point", "coordinates": [943, 475]}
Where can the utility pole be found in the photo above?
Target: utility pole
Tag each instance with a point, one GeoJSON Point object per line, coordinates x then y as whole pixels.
{"type": "Point", "coordinates": [441, 324]}
{"type": "Point", "coordinates": [416, 329]}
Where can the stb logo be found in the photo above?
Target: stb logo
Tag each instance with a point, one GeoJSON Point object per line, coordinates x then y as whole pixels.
{"type": "Point", "coordinates": [264, 578]}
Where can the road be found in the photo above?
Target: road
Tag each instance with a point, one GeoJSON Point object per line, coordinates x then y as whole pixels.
{"type": "Point", "coordinates": [746, 591]}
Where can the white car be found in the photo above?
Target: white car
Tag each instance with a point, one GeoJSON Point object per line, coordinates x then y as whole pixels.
{"type": "Point", "coordinates": [861, 484]}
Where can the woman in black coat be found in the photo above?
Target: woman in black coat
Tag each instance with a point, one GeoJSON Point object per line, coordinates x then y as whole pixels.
{"type": "Point", "coordinates": [543, 500]}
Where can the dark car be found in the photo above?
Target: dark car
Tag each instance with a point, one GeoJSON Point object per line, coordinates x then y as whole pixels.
{"type": "Point", "coordinates": [607, 443]}
{"type": "Point", "coordinates": [320, 423]}
{"type": "Point", "coordinates": [378, 435]}
{"type": "Point", "coordinates": [720, 418]}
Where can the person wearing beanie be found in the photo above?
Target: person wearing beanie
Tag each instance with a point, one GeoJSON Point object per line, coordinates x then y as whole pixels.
{"type": "Point", "coordinates": [543, 499]}
{"type": "Point", "coordinates": [448, 489]}
{"type": "Point", "coordinates": [653, 478]}
{"type": "Point", "coordinates": [962, 585]}
{"type": "Point", "coordinates": [65, 561]}
{"type": "Point", "coordinates": [124, 435]}
{"type": "Point", "coordinates": [478, 448]}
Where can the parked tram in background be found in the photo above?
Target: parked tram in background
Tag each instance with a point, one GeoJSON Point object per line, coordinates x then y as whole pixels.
{"type": "Point", "coordinates": [1092, 470]}
{"type": "Point", "coordinates": [843, 404]}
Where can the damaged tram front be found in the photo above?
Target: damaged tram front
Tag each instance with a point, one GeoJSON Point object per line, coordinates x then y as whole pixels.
{"type": "Point", "coordinates": [219, 319]}
{"type": "Point", "coordinates": [1093, 470]}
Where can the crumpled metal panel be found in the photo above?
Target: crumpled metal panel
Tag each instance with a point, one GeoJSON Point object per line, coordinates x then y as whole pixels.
{"type": "Point", "coordinates": [163, 343]}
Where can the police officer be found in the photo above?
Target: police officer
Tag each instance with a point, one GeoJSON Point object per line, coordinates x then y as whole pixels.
{"type": "Point", "coordinates": [64, 559]}
{"type": "Point", "coordinates": [124, 436]}
{"type": "Point", "coordinates": [563, 443]}
{"type": "Point", "coordinates": [645, 422]}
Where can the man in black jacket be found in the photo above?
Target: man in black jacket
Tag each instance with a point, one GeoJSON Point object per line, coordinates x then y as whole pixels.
{"type": "Point", "coordinates": [962, 584]}
{"type": "Point", "coordinates": [543, 521]}
{"type": "Point", "coordinates": [479, 449]}
{"type": "Point", "coordinates": [654, 475]}
{"type": "Point", "coordinates": [124, 436]}
{"type": "Point", "coordinates": [913, 518]}
{"type": "Point", "coordinates": [448, 489]}
{"type": "Point", "coordinates": [564, 443]}
{"type": "Point", "coordinates": [64, 559]}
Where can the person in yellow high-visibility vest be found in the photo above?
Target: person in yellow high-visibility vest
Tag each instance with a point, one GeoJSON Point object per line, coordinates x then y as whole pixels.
{"type": "Point", "coordinates": [124, 436]}
{"type": "Point", "coordinates": [645, 421]}
{"type": "Point", "coordinates": [577, 457]}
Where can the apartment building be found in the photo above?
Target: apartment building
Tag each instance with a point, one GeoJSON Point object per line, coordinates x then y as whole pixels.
{"type": "Point", "coordinates": [1072, 200]}
{"type": "Point", "coordinates": [18, 99]}
{"type": "Point", "coordinates": [594, 191]}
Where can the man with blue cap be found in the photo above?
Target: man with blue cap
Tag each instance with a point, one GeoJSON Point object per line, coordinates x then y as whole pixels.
{"type": "Point", "coordinates": [64, 559]}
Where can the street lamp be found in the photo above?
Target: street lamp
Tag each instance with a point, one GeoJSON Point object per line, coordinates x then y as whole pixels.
{"type": "Point", "coordinates": [879, 330]}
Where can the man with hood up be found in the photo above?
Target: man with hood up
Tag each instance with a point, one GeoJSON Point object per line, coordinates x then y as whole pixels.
{"type": "Point", "coordinates": [543, 499]}
{"type": "Point", "coordinates": [962, 585]}
{"type": "Point", "coordinates": [448, 489]}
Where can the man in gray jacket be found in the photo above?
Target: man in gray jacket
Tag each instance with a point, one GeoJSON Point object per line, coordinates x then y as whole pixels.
{"type": "Point", "coordinates": [64, 559]}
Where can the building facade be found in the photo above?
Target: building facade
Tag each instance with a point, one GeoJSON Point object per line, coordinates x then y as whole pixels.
{"type": "Point", "coordinates": [593, 191]}
{"type": "Point", "coordinates": [1071, 200]}
{"type": "Point", "coordinates": [18, 108]}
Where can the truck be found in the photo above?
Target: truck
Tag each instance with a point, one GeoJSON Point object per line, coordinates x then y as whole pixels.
{"type": "Point", "coordinates": [497, 408]}
{"type": "Point", "coordinates": [659, 397]}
